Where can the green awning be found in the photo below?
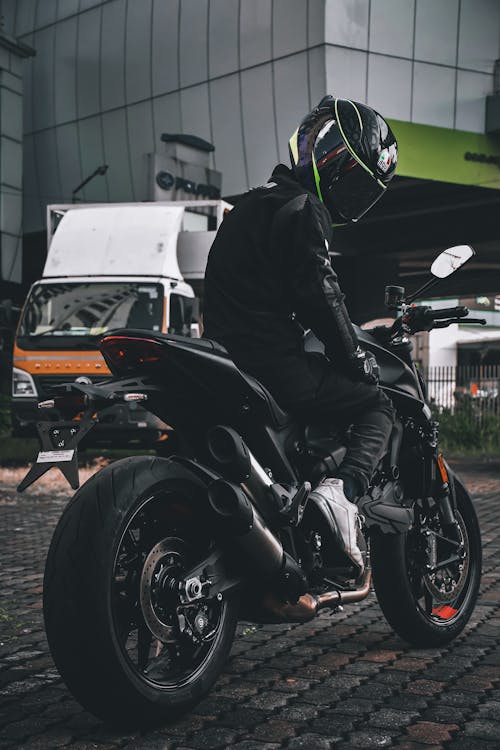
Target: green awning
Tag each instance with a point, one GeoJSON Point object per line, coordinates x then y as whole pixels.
{"type": "Point", "coordinates": [457, 156]}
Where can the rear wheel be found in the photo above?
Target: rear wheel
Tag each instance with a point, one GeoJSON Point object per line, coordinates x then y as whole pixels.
{"type": "Point", "coordinates": [127, 646]}
{"type": "Point", "coordinates": [427, 580]}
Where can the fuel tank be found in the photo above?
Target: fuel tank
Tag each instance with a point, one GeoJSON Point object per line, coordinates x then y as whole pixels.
{"type": "Point", "coordinates": [394, 373]}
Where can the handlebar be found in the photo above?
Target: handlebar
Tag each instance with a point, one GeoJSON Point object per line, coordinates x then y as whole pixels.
{"type": "Point", "coordinates": [446, 323]}
{"type": "Point", "coordinates": [447, 312]}
{"type": "Point", "coordinates": [422, 318]}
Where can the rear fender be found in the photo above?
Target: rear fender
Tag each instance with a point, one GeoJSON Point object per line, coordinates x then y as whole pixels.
{"type": "Point", "coordinates": [70, 416]}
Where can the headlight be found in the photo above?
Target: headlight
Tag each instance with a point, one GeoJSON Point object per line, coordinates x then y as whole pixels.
{"type": "Point", "coordinates": [22, 383]}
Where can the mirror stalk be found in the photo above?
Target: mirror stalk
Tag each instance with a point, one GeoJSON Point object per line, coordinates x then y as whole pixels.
{"type": "Point", "coordinates": [428, 285]}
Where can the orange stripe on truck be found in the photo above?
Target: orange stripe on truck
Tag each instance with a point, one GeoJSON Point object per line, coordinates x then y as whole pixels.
{"type": "Point", "coordinates": [58, 362]}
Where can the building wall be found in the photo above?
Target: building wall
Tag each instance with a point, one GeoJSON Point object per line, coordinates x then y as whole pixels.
{"type": "Point", "coordinates": [110, 76]}
{"type": "Point", "coordinates": [11, 164]}
{"type": "Point", "coordinates": [422, 61]}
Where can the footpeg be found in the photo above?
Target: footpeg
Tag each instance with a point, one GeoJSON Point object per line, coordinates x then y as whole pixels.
{"type": "Point", "coordinates": [293, 506]}
{"type": "Point", "coordinates": [383, 509]}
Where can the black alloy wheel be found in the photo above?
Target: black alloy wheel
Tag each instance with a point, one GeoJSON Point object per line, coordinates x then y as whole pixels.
{"type": "Point", "coordinates": [131, 646]}
{"type": "Point", "coordinates": [427, 580]}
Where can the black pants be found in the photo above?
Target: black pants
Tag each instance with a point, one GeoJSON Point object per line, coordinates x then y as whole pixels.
{"type": "Point", "coordinates": [314, 391]}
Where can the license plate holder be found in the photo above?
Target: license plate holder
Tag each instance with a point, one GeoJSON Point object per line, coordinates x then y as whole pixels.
{"type": "Point", "coordinates": [58, 448]}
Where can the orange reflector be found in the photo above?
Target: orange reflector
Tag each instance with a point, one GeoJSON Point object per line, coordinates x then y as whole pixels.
{"type": "Point", "coordinates": [445, 612]}
{"type": "Point", "coordinates": [442, 469]}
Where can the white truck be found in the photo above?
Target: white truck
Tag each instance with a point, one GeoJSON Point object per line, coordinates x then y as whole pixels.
{"type": "Point", "coordinates": [109, 266]}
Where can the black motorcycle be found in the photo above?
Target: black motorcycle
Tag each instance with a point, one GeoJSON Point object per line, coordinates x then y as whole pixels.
{"type": "Point", "coordinates": [155, 559]}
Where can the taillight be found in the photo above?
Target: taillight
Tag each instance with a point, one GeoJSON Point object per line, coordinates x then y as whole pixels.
{"type": "Point", "coordinates": [122, 353]}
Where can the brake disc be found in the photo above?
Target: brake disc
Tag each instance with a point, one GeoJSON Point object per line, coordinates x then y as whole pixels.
{"type": "Point", "coordinates": [446, 584]}
{"type": "Point", "coordinates": [160, 573]}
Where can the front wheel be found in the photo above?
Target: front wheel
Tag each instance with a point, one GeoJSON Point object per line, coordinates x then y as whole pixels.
{"type": "Point", "coordinates": [426, 583]}
{"type": "Point", "coordinates": [127, 647]}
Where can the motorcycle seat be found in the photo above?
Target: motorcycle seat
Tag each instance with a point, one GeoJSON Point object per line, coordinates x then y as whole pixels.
{"type": "Point", "coordinates": [280, 417]}
{"type": "Point", "coordinates": [211, 347]}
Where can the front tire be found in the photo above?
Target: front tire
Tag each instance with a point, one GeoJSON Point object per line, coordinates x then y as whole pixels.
{"type": "Point", "coordinates": [110, 605]}
{"type": "Point", "coordinates": [423, 609]}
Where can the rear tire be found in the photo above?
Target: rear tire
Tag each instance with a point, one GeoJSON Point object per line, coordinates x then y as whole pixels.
{"type": "Point", "coordinates": [399, 591]}
{"type": "Point", "coordinates": [94, 593]}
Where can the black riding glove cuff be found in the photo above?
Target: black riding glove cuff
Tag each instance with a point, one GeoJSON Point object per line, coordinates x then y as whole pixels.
{"type": "Point", "coordinates": [364, 367]}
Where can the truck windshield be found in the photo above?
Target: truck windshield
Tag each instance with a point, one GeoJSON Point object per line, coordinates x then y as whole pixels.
{"type": "Point", "coordinates": [83, 311]}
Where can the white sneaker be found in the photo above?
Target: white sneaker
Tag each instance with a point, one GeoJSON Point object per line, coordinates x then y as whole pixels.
{"type": "Point", "coordinates": [345, 515]}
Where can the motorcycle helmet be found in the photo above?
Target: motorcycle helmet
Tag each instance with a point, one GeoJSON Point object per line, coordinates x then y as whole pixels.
{"type": "Point", "coordinates": [346, 153]}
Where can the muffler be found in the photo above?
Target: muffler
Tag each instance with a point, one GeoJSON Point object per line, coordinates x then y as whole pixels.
{"type": "Point", "coordinates": [232, 457]}
{"type": "Point", "coordinates": [252, 543]}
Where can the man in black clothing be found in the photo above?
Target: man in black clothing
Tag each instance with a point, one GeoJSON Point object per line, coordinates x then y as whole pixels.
{"type": "Point", "coordinates": [269, 277]}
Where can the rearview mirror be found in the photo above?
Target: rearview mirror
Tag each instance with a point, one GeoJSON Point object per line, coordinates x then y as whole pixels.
{"type": "Point", "coordinates": [450, 260]}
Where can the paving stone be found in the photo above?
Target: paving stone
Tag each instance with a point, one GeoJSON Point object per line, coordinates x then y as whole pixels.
{"type": "Point", "coordinates": [489, 710]}
{"type": "Point", "coordinates": [430, 732]}
{"type": "Point", "coordinates": [380, 657]}
{"type": "Point", "coordinates": [354, 706]}
{"type": "Point", "coordinates": [298, 712]}
{"type": "Point", "coordinates": [475, 684]}
{"type": "Point", "coordinates": [29, 726]}
{"type": "Point", "coordinates": [311, 741]}
{"type": "Point", "coordinates": [268, 700]}
{"type": "Point", "coordinates": [370, 738]}
{"type": "Point", "coordinates": [485, 729]}
{"type": "Point", "coordinates": [409, 745]}
{"type": "Point", "coordinates": [335, 660]}
{"type": "Point", "coordinates": [425, 687]}
{"type": "Point", "coordinates": [214, 705]}
{"type": "Point", "coordinates": [331, 724]}
{"type": "Point", "coordinates": [187, 725]}
{"type": "Point", "coordinates": [253, 745]}
{"type": "Point", "coordinates": [458, 698]}
{"type": "Point", "coordinates": [446, 714]}
{"type": "Point", "coordinates": [362, 668]}
{"type": "Point", "coordinates": [372, 690]}
{"type": "Point", "coordinates": [236, 691]}
{"type": "Point", "coordinates": [242, 718]}
{"type": "Point", "coordinates": [391, 718]}
{"type": "Point", "coordinates": [292, 685]}
{"type": "Point", "coordinates": [212, 738]}
{"type": "Point", "coordinates": [154, 742]}
{"type": "Point", "coordinates": [276, 730]}
{"type": "Point", "coordinates": [52, 738]}
{"type": "Point", "coordinates": [472, 743]}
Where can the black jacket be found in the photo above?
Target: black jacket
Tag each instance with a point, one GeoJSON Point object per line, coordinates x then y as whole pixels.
{"type": "Point", "coordinates": [269, 271]}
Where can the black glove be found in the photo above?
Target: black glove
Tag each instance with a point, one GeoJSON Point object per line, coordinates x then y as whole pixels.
{"type": "Point", "coordinates": [417, 318]}
{"type": "Point", "coordinates": [364, 367]}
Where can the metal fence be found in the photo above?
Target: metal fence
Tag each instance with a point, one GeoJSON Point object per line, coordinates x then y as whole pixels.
{"type": "Point", "coordinates": [472, 389]}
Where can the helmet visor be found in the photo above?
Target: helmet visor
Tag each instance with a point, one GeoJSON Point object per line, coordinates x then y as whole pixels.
{"type": "Point", "coordinates": [353, 193]}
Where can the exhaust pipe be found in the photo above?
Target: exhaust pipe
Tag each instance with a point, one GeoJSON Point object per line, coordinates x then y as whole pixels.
{"type": "Point", "coordinates": [309, 605]}
{"type": "Point", "coordinates": [254, 545]}
{"type": "Point", "coordinates": [240, 519]}
{"type": "Point", "coordinates": [254, 542]}
{"type": "Point", "coordinates": [232, 456]}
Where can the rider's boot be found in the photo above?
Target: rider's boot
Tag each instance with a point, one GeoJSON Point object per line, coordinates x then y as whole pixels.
{"type": "Point", "coordinates": [345, 516]}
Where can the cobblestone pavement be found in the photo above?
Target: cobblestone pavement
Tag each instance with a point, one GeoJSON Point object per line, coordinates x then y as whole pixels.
{"type": "Point", "coordinates": [343, 681]}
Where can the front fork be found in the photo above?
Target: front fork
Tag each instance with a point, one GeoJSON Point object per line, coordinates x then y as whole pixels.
{"type": "Point", "coordinates": [445, 497]}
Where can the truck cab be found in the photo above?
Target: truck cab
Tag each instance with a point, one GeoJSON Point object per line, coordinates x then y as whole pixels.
{"type": "Point", "coordinates": [108, 266]}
